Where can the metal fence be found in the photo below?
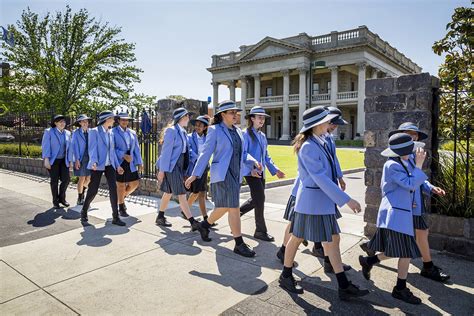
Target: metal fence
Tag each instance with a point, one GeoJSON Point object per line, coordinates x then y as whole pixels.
{"type": "Point", "coordinates": [453, 161]}
{"type": "Point", "coordinates": [21, 134]}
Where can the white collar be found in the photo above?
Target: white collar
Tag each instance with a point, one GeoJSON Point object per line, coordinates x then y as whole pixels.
{"type": "Point", "coordinates": [60, 132]}
{"type": "Point", "coordinates": [105, 130]}
{"type": "Point", "coordinates": [320, 139]}
{"type": "Point", "coordinates": [123, 130]}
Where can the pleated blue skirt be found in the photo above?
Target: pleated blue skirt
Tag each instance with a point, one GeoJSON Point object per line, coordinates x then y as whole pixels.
{"type": "Point", "coordinates": [394, 244]}
{"type": "Point", "coordinates": [316, 228]}
{"type": "Point", "coordinates": [83, 171]}
{"type": "Point", "coordinates": [419, 222]}
{"type": "Point", "coordinates": [226, 193]}
{"type": "Point", "coordinates": [290, 208]}
{"type": "Point", "coordinates": [174, 180]}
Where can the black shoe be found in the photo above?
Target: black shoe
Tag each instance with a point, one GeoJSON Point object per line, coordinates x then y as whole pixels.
{"type": "Point", "coordinates": [317, 252]}
{"type": "Point", "coordinates": [118, 222]}
{"type": "Point", "coordinates": [162, 222]}
{"type": "Point", "coordinates": [329, 269]}
{"type": "Point", "coordinates": [351, 291]}
{"type": "Point", "coordinates": [84, 216]}
{"type": "Point", "coordinates": [435, 273]}
{"type": "Point", "coordinates": [65, 203]}
{"type": "Point", "coordinates": [80, 199]}
{"type": "Point", "coordinates": [203, 231]}
{"type": "Point", "coordinates": [281, 255]}
{"type": "Point", "coordinates": [244, 250]}
{"type": "Point", "coordinates": [56, 206]}
{"type": "Point", "coordinates": [123, 210]}
{"type": "Point", "coordinates": [263, 236]}
{"type": "Point", "coordinates": [305, 243]}
{"type": "Point", "coordinates": [365, 248]}
{"type": "Point", "coordinates": [290, 284]}
{"type": "Point", "coordinates": [365, 267]}
{"type": "Point", "coordinates": [124, 207]}
{"type": "Point", "coordinates": [406, 295]}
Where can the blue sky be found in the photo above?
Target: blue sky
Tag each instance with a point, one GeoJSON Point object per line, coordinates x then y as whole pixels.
{"type": "Point", "coordinates": [176, 39]}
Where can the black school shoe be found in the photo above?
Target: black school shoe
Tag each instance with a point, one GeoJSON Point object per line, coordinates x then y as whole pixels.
{"type": "Point", "coordinates": [435, 273]}
{"type": "Point", "coordinates": [244, 250]}
{"type": "Point", "coordinates": [84, 218]}
{"type": "Point", "coordinates": [123, 210]}
{"type": "Point", "coordinates": [405, 295]}
{"type": "Point", "coordinates": [351, 291]}
{"type": "Point", "coordinates": [365, 267]}
{"type": "Point", "coordinates": [162, 222]}
{"type": "Point", "coordinates": [366, 249]}
{"type": "Point", "coordinates": [118, 222]}
{"type": "Point", "coordinates": [329, 269]}
{"type": "Point", "coordinates": [203, 231]}
{"type": "Point", "coordinates": [65, 203]}
{"type": "Point", "coordinates": [281, 255]}
{"type": "Point", "coordinates": [290, 284]}
{"type": "Point", "coordinates": [317, 252]}
{"type": "Point", "coordinates": [263, 236]}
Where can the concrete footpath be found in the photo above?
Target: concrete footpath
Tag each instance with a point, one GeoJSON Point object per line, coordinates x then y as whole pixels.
{"type": "Point", "coordinates": [51, 264]}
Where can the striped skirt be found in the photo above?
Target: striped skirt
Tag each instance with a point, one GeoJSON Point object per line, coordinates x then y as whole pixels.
{"type": "Point", "coordinates": [290, 208]}
{"type": "Point", "coordinates": [174, 180]}
{"type": "Point", "coordinates": [394, 244]}
{"type": "Point", "coordinates": [419, 222]}
{"type": "Point", "coordinates": [338, 213]}
{"type": "Point", "coordinates": [316, 228]}
{"type": "Point", "coordinates": [83, 171]}
{"type": "Point", "coordinates": [226, 193]}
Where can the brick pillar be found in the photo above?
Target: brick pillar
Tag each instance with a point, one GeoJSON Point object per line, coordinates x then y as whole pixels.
{"type": "Point", "coordinates": [388, 103]}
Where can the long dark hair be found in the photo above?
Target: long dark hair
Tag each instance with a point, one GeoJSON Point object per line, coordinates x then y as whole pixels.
{"type": "Point", "coordinates": [250, 127]}
{"type": "Point", "coordinates": [163, 131]}
{"type": "Point", "coordinates": [300, 139]}
{"type": "Point", "coordinates": [217, 119]}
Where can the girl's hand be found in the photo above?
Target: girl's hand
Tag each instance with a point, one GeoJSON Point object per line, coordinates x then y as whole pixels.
{"type": "Point", "coordinates": [354, 205]}
{"type": "Point", "coordinates": [78, 165]}
{"type": "Point", "coordinates": [255, 173]}
{"type": "Point", "coordinates": [420, 157]}
{"type": "Point", "coordinates": [258, 166]}
{"type": "Point", "coordinates": [47, 165]}
{"type": "Point", "coordinates": [188, 182]}
{"type": "Point", "coordinates": [280, 174]}
{"type": "Point", "coordinates": [160, 176]}
{"type": "Point", "coordinates": [438, 191]}
{"type": "Point", "coordinates": [342, 184]}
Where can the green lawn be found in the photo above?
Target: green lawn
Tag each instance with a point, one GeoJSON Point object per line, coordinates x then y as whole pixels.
{"type": "Point", "coordinates": [286, 160]}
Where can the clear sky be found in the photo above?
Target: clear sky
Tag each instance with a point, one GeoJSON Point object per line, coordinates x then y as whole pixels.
{"type": "Point", "coordinates": [176, 39]}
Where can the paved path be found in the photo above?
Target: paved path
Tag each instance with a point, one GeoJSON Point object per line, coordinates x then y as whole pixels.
{"type": "Point", "coordinates": [50, 264]}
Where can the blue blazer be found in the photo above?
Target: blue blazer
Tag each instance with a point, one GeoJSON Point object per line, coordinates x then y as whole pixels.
{"type": "Point", "coordinates": [219, 144]}
{"type": "Point", "coordinates": [194, 153]}
{"type": "Point", "coordinates": [425, 188]}
{"type": "Point", "coordinates": [296, 185]}
{"type": "Point", "coordinates": [171, 149]}
{"type": "Point", "coordinates": [98, 142]}
{"type": "Point", "coordinates": [317, 193]}
{"type": "Point", "coordinates": [398, 187]}
{"type": "Point", "coordinates": [121, 147]}
{"type": "Point", "coordinates": [78, 145]}
{"type": "Point", "coordinates": [51, 144]}
{"type": "Point", "coordinates": [257, 148]}
{"type": "Point", "coordinates": [332, 148]}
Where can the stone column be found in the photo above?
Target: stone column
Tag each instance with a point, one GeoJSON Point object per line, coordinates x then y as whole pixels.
{"type": "Point", "coordinates": [334, 85]}
{"type": "Point", "coordinates": [243, 100]}
{"type": "Point", "coordinates": [360, 99]}
{"type": "Point", "coordinates": [390, 102]}
{"type": "Point", "coordinates": [256, 89]}
{"type": "Point", "coordinates": [232, 90]}
{"type": "Point", "coordinates": [215, 95]}
{"type": "Point", "coordinates": [375, 73]}
{"type": "Point", "coordinates": [285, 135]}
{"type": "Point", "coordinates": [302, 96]}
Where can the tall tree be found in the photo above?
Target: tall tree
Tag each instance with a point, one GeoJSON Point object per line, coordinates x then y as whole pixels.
{"type": "Point", "coordinates": [457, 46]}
{"type": "Point", "coordinates": [68, 62]}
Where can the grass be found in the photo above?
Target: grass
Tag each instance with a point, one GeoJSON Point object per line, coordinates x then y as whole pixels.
{"type": "Point", "coordinates": [286, 160]}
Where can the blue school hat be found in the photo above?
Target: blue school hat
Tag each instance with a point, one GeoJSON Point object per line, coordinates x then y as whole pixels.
{"type": "Point", "coordinates": [257, 110]}
{"type": "Point", "coordinates": [315, 116]}
{"type": "Point", "coordinates": [409, 126]}
{"type": "Point", "coordinates": [401, 144]}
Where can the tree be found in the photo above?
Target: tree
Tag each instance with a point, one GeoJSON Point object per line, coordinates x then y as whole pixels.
{"type": "Point", "coordinates": [457, 46]}
{"type": "Point", "coordinates": [68, 63]}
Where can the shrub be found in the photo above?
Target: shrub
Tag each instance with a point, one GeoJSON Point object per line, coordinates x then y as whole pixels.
{"type": "Point", "coordinates": [350, 143]}
{"type": "Point", "coordinates": [31, 151]}
{"type": "Point", "coordinates": [445, 179]}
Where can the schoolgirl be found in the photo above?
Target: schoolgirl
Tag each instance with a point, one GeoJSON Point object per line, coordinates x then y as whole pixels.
{"type": "Point", "coordinates": [172, 165]}
{"type": "Point", "coordinates": [196, 140]}
{"type": "Point", "coordinates": [394, 237]}
{"type": "Point", "coordinates": [429, 270]}
{"type": "Point", "coordinates": [318, 194]}
{"type": "Point", "coordinates": [225, 143]}
{"type": "Point", "coordinates": [79, 155]}
{"type": "Point", "coordinates": [55, 146]}
{"type": "Point", "coordinates": [128, 154]}
{"type": "Point", "coordinates": [256, 145]}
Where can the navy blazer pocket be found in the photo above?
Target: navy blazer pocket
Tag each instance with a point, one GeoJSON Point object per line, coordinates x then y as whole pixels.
{"type": "Point", "coordinates": [401, 209]}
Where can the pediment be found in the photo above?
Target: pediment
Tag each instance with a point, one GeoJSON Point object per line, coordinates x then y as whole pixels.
{"type": "Point", "coordinates": [269, 47]}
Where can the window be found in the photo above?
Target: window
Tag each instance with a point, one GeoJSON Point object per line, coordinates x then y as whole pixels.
{"type": "Point", "coordinates": [353, 84]}
{"type": "Point", "coordinates": [269, 92]}
{"type": "Point", "coordinates": [315, 88]}
{"type": "Point", "coordinates": [329, 86]}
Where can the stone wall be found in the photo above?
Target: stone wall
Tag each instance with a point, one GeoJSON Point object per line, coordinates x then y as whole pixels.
{"type": "Point", "coordinates": [390, 102]}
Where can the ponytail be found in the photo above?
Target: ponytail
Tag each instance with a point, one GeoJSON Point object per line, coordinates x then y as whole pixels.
{"type": "Point", "coordinates": [162, 134]}
{"type": "Point", "coordinates": [300, 139]}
